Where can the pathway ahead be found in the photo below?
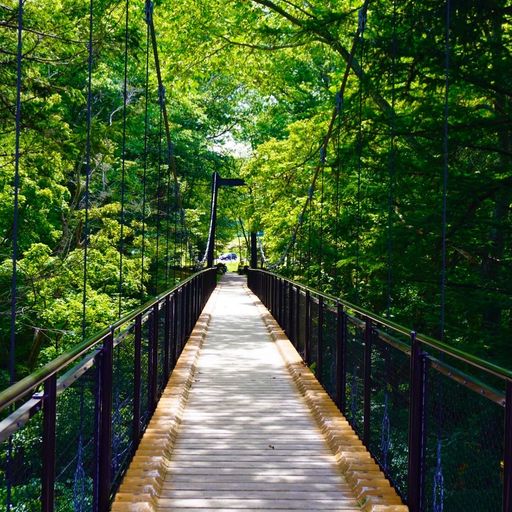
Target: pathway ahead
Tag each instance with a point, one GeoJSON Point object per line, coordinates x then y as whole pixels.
{"type": "Point", "coordinates": [248, 440]}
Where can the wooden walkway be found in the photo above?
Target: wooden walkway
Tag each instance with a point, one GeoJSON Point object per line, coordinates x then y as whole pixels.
{"type": "Point", "coordinates": [247, 438]}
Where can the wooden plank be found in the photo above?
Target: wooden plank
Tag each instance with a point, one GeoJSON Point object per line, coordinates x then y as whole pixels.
{"type": "Point", "coordinates": [258, 504]}
{"type": "Point", "coordinates": [256, 486]}
{"type": "Point", "coordinates": [273, 494]}
{"type": "Point", "coordinates": [250, 477]}
{"type": "Point", "coordinates": [247, 440]}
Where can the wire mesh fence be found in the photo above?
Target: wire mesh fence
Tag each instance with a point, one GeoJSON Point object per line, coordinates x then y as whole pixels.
{"type": "Point", "coordinates": [463, 445]}
{"type": "Point", "coordinates": [75, 446]}
{"type": "Point", "coordinates": [21, 466]}
{"type": "Point", "coordinates": [66, 448]}
{"type": "Point", "coordinates": [389, 421]}
{"type": "Point", "coordinates": [436, 420]}
{"type": "Point", "coordinates": [328, 334]}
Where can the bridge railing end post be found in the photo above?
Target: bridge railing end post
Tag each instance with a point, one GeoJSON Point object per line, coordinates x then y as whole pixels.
{"type": "Point", "coordinates": [416, 456]}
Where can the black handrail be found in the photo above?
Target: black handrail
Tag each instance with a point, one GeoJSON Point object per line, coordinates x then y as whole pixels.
{"type": "Point", "coordinates": [471, 359]}
{"type": "Point", "coordinates": [21, 388]}
{"type": "Point", "coordinates": [104, 401]}
{"type": "Point", "coordinates": [416, 410]}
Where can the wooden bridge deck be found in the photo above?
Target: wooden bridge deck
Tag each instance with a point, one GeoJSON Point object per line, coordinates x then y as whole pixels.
{"type": "Point", "coordinates": [246, 438]}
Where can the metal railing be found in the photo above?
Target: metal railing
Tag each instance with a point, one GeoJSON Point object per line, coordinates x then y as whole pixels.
{"type": "Point", "coordinates": [437, 421]}
{"type": "Point", "coordinates": [74, 425]}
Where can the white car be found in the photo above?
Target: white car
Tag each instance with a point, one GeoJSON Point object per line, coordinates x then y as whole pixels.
{"type": "Point", "coordinates": [229, 256]}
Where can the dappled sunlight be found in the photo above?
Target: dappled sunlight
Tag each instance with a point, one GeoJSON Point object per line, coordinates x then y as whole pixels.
{"type": "Point", "coordinates": [247, 439]}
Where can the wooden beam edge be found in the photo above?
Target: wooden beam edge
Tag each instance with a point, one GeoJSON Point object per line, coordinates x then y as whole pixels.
{"type": "Point", "coordinates": [143, 481]}
{"type": "Point", "coordinates": [370, 486]}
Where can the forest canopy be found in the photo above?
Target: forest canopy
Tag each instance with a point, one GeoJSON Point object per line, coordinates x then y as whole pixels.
{"type": "Point", "coordinates": [250, 89]}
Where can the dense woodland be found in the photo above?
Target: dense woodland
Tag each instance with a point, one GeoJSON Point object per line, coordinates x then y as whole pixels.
{"type": "Point", "coordinates": [250, 89]}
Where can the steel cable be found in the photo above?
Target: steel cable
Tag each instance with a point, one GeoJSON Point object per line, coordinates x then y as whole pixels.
{"type": "Point", "coordinates": [123, 160]}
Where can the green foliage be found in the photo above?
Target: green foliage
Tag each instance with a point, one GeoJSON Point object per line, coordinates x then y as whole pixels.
{"type": "Point", "coordinates": [265, 75]}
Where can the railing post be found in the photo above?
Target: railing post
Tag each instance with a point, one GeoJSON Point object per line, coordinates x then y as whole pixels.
{"type": "Point", "coordinates": [307, 337]}
{"type": "Point", "coordinates": [193, 298]}
{"type": "Point", "coordinates": [297, 317]}
{"type": "Point", "coordinates": [190, 307]}
{"type": "Point", "coordinates": [320, 343]}
{"type": "Point", "coordinates": [291, 310]}
{"type": "Point", "coordinates": [507, 457]}
{"type": "Point", "coordinates": [137, 385]}
{"type": "Point", "coordinates": [153, 358]}
{"type": "Point", "coordinates": [283, 304]}
{"type": "Point", "coordinates": [274, 288]}
{"type": "Point", "coordinates": [284, 317]}
{"type": "Point", "coordinates": [271, 292]}
{"type": "Point", "coordinates": [267, 292]}
{"type": "Point", "coordinates": [175, 327]}
{"type": "Point", "coordinates": [250, 281]}
{"type": "Point", "coordinates": [278, 301]}
{"type": "Point", "coordinates": [167, 336]}
{"type": "Point", "coordinates": [204, 292]}
{"type": "Point", "coordinates": [104, 425]}
{"type": "Point", "coordinates": [341, 359]}
{"type": "Point", "coordinates": [284, 294]}
{"type": "Point", "coordinates": [416, 426]}
{"type": "Point", "coordinates": [49, 443]}
{"type": "Point", "coordinates": [186, 311]}
{"type": "Point", "coordinates": [197, 299]}
{"type": "Point", "coordinates": [367, 369]}
{"type": "Point", "coordinates": [269, 280]}
{"type": "Point", "coordinates": [183, 327]}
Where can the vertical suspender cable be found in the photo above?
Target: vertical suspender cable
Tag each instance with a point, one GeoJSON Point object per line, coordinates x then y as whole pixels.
{"type": "Point", "coordinates": [87, 167]}
{"type": "Point", "coordinates": [325, 142]}
{"type": "Point", "coordinates": [123, 162]}
{"type": "Point", "coordinates": [158, 185]}
{"type": "Point", "coordinates": [445, 170]}
{"type": "Point", "coordinates": [337, 192]}
{"type": "Point", "coordinates": [14, 291]}
{"type": "Point", "coordinates": [79, 474]}
{"type": "Point", "coordinates": [321, 248]}
{"type": "Point", "coordinates": [362, 23]}
{"type": "Point", "coordinates": [182, 238]}
{"type": "Point", "coordinates": [438, 484]}
{"type": "Point", "coordinates": [309, 214]}
{"type": "Point", "coordinates": [167, 228]}
{"type": "Point", "coordinates": [175, 255]}
{"type": "Point", "coordinates": [145, 165]}
{"type": "Point", "coordinates": [392, 169]}
{"type": "Point", "coordinates": [12, 338]}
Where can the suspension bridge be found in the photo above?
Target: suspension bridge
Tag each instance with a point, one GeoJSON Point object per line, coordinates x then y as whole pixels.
{"type": "Point", "coordinates": [244, 392]}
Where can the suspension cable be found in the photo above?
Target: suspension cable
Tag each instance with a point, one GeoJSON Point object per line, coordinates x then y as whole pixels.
{"type": "Point", "coordinates": [392, 168]}
{"type": "Point", "coordinates": [15, 224]}
{"type": "Point", "coordinates": [445, 171]}
{"type": "Point", "coordinates": [359, 166]}
{"type": "Point", "coordinates": [167, 228]}
{"type": "Point", "coordinates": [158, 185]}
{"type": "Point", "coordinates": [14, 285]}
{"type": "Point", "coordinates": [175, 218]}
{"type": "Point", "coordinates": [171, 158]}
{"type": "Point", "coordinates": [321, 245]}
{"type": "Point", "coordinates": [79, 473]}
{"type": "Point", "coordinates": [145, 164]}
{"type": "Point", "coordinates": [337, 200]}
{"type": "Point", "coordinates": [123, 158]}
{"type": "Point", "coordinates": [325, 141]}
{"type": "Point", "coordinates": [438, 480]}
